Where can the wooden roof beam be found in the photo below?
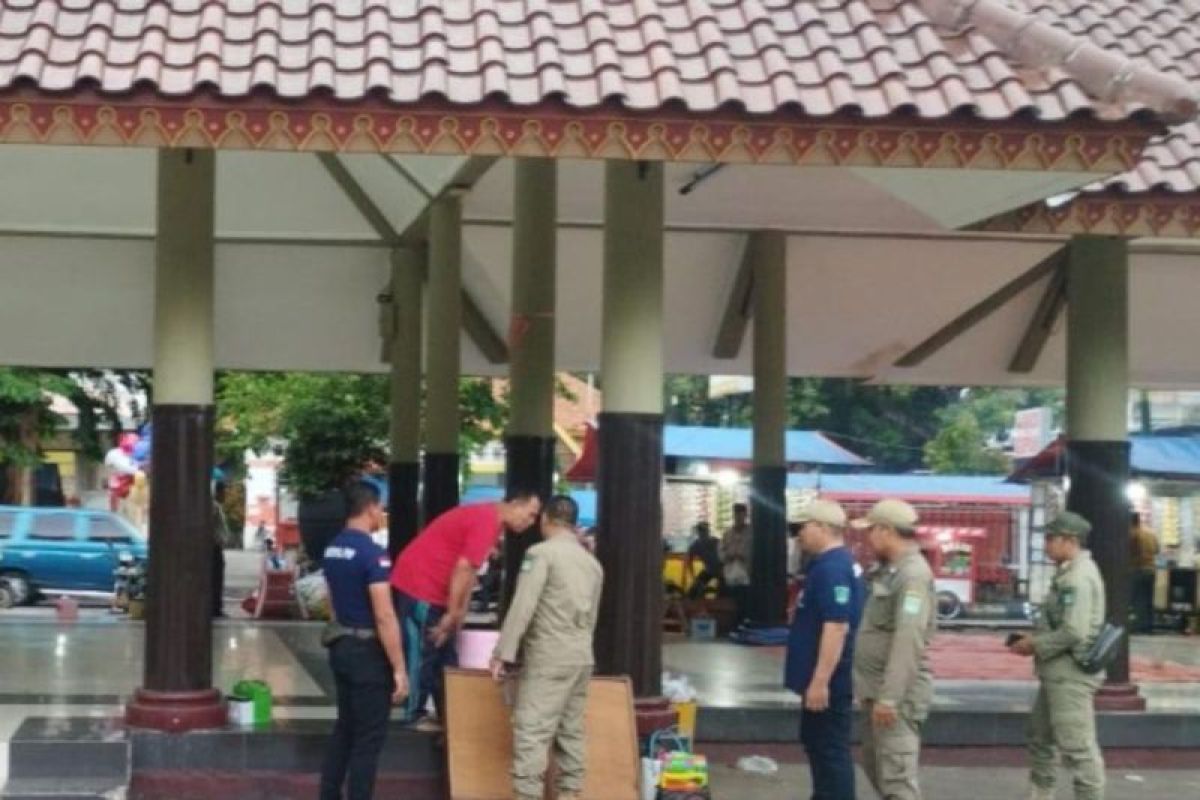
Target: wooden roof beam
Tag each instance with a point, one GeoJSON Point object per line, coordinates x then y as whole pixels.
{"type": "Point", "coordinates": [360, 199]}
{"type": "Point", "coordinates": [1041, 325]}
{"type": "Point", "coordinates": [738, 308]}
{"type": "Point", "coordinates": [474, 321]}
{"type": "Point", "coordinates": [982, 310]}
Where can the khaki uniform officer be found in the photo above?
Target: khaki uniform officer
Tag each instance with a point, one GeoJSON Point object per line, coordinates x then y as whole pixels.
{"type": "Point", "coordinates": [1072, 616]}
{"type": "Point", "coordinates": [549, 631]}
{"type": "Point", "coordinates": [891, 667]}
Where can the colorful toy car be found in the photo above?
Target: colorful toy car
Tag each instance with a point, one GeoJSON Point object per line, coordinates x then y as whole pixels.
{"type": "Point", "coordinates": [683, 772]}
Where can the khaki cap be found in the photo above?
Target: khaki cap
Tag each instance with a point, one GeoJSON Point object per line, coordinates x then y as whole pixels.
{"type": "Point", "coordinates": [1068, 523]}
{"type": "Point", "coordinates": [890, 512]}
{"type": "Point", "coordinates": [826, 512]}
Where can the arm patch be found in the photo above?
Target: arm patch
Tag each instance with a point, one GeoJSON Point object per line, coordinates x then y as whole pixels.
{"type": "Point", "coordinates": [913, 602]}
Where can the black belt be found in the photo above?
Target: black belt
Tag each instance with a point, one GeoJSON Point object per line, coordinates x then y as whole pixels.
{"type": "Point", "coordinates": [361, 633]}
{"type": "Point", "coordinates": [335, 630]}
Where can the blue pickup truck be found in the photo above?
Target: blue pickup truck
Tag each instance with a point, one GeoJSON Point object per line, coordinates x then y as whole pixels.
{"type": "Point", "coordinates": [52, 551]}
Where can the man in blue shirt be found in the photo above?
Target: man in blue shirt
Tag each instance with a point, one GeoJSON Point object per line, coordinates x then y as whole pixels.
{"type": "Point", "coordinates": [820, 649]}
{"type": "Point", "coordinates": [364, 648]}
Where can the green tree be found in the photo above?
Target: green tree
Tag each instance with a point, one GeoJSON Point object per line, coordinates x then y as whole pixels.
{"type": "Point", "coordinates": [256, 410]}
{"type": "Point", "coordinates": [27, 418]}
{"type": "Point", "coordinates": [973, 427]}
{"type": "Point", "coordinates": [961, 448]}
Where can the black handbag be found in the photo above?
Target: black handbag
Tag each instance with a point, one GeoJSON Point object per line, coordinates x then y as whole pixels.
{"type": "Point", "coordinates": [1103, 649]}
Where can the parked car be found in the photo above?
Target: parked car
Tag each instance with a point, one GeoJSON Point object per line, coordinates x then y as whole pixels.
{"type": "Point", "coordinates": [45, 551]}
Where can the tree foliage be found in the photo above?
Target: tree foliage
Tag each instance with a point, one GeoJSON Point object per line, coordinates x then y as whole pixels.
{"type": "Point", "coordinates": [331, 424]}
{"type": "Point", "coordinates": [900, 428]}
{"type": "Point", "coordinates": [27, 417]}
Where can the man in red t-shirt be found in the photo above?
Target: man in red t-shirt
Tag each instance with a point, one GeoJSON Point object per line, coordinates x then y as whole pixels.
{"type": "Point", "coordinates": [433, 579]}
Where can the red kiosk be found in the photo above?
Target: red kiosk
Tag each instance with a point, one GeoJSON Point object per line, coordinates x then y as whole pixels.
{"type": "Point", "coordinates": [952, 555]}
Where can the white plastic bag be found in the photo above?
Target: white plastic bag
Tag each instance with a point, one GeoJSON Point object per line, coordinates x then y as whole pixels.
{"type": "Point", "coordinates": [651, 772]}
{"type": "Point", "coordinates": [759, 765]}
{"type": "Point", "coordinates": [677, 688]}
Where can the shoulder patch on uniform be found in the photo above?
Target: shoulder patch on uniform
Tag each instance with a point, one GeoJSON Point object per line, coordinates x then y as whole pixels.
{"type": "Point", "coordinates": [841, 595]}
{"type": "Point", "coordinates": [527, 564]}
{"type": "Point", "coordinates": [913, 601]}
{"type": "Point", "coordinates": [1068, 595]}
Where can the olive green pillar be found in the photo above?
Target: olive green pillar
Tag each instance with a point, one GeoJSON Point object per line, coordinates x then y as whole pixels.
{"type": "Point", "coordinates": [177, 692]}
{"type": "Point", "coordinates": [1097, 425]}
{"type": "Point", "coordinates": [529, 442]}
{"type": "Point", "coordinates": [768, 501]}
{"type": "Point", "coordinates": [404, 467]}
{"type": "Point", "coordinates": [443, 360]}
{"type": "Point", "coordinates": [629, 480]}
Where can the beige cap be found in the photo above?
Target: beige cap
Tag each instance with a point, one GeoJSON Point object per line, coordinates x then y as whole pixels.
{"type": "Point", "coordinates": [826, 512]}
{"type": "Point", "coordinates": [892, 513]}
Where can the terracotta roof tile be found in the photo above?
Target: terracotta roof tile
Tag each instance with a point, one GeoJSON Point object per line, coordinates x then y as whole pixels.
{"type": "Point", "coordinates": [823, 57]}
{"type": "Point", "coordinates": [1165, 34]}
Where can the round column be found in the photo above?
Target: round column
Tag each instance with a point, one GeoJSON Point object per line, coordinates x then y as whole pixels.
{"type": "Point", "coordinates": [529, 442]}
{"type": "Point", "coordinates": [1097, 426]}
{"type": "Point", "coordinates": [629, 480]}
{"type": "Point", "coordinates": [177, 692]}
{"type": "Point", "coordinates": [404, 468]}
{"type": "Point", "coordinates": [768, 497]}
{"type": "Point", "coordinates": [443, 359]}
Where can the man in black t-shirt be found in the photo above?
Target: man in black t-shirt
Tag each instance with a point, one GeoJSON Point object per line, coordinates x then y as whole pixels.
{"type": "Point", "coordinates": [364, 649]}
{"type": "Point", "coordinates": [706, 549]}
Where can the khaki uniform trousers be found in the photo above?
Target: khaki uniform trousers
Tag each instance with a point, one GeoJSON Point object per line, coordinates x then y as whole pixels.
{"type": "Point", "coordinates": [890, 756]}
{"type": "Point", "coordinates": [550, 708]}
{"type": "Point", "coordinates": [1063, 721]}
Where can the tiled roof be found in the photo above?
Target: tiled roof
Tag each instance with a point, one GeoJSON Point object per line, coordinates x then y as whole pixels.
{"type": "Point", "coordinates": [1170, 163]}
{"type": "Point", "coordinates": [818, 57]}
{"type": "Point", "coordinates": [1165, 34]}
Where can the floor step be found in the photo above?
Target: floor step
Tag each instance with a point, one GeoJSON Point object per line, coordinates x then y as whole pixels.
{"type": "Point", "coordinates": [179, 784]}
{"type": "Point", "coordinates": [63, 789]}
{"type": "Point", "coordinates": [285, 746]}
{"type": "Point", "coordinates": [81, 751]}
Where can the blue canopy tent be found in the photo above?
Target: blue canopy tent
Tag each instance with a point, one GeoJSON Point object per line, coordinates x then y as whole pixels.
{"type": "Point", "coordinates": [685, 445]}
{"type": "Point", "coordinates": [1162, 456]}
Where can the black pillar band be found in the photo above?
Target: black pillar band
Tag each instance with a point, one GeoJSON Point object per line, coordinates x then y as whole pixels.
{"type": "Point", "coordinates": [1099, 473]}
{"type": "Point", "coordinates": [182, 542]}
{"type": "Point", "coordinates": [441, 485]}
{"type": "Point", "coordinates": [630, 547]}
{"type": "Point", "coordinates": [768, 519]}
{"type": "Point", "coordinates": [404, 505]}
{"type": "Point", "coordinates": [529, 466]}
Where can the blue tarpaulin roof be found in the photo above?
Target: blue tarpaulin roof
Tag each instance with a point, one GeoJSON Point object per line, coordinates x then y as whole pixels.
{"type": "Point", "coordinates": [1165, 455]}
{"type": "Point", "coordinates": [586, 498]}
{"type": "Point", "coordinates": [1150, 455]}
{"type": "Point", "coordinates": [929, 488]}
{"type": "Point", "coordinates": [737, 444]}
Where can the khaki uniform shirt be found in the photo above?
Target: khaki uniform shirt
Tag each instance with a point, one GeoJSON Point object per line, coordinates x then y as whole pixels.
{"type": "Point", "coordinates": [891, 663]}
{"type": "Point", "coordinates": [554, 611]}
{"type": "Point", "coordinates": [1070, 620]}
{"type": "Point", "coordinates": [1143, 548]}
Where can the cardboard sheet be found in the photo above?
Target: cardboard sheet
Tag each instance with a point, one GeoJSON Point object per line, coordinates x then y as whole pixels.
{"type": "Point", "coordinates": [479, 739]}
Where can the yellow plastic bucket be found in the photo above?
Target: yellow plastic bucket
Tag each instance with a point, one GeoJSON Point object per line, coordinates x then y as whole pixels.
{"type": "Point", "coordinates": [687, 718]}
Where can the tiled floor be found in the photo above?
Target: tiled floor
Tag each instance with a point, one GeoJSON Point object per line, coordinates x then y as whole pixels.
{"type": "Point", "coordinates": [99, 658]}
{"type": "Point", "coordinates": [733, 676]}
{"type": "Point", "coordinates": [89, 667]}
{"type": "Point", "coordinates": [104, 660]}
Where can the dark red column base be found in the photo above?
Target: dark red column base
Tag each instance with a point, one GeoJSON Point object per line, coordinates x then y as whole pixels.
{"type": "Point", "coordinates": [1119, 697]}
{"type": "Point", "coordinates": [653, 714]}
{"type": "Point", "coordinates": [176, 712]}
